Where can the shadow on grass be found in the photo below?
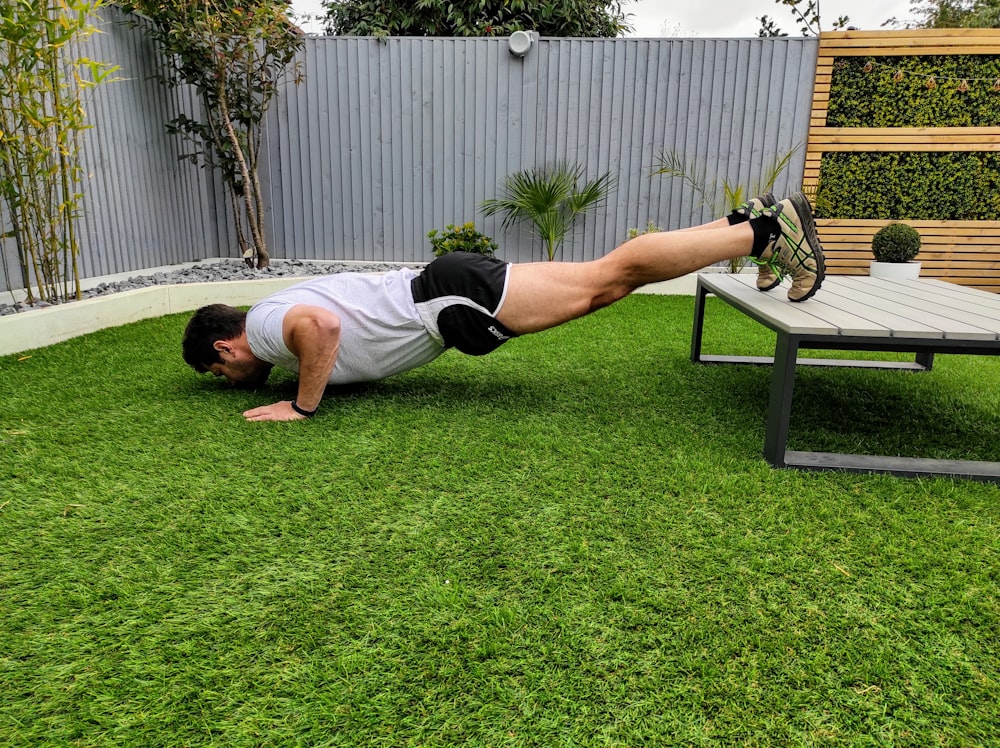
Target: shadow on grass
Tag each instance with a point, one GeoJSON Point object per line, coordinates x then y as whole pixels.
{"type": "Point", "coordinates": [950, 412]}
{"type": "Point", "coordinates": [926, 414]}
{"type": "Point", "coordinates": [940, 414]}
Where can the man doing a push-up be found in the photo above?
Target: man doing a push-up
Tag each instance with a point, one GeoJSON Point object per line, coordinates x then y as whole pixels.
{"type": "Point", "coordinates": [358, 327]}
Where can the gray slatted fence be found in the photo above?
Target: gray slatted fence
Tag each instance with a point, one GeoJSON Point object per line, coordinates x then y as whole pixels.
{"type": "Point", "coordinates": [385, 141]}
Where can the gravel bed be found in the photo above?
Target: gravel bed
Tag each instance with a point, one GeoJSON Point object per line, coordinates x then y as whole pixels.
{"type": "Point", "coordinates": [212, 272]}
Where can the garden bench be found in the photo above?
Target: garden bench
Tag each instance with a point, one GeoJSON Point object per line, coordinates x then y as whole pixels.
{"type": "Point", "coordinates": [923, 317]}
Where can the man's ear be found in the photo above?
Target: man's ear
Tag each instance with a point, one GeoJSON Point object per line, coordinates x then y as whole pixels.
{"type": "Point", "coordinates": [223, 346]}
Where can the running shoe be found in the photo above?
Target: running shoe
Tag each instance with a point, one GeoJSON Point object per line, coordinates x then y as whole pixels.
{"type": "Point", "coordinates": [798, 247]}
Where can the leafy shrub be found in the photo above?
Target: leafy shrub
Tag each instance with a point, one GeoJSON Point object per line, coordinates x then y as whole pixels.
{"type": "Point", "coordinates": [651, 228]}
{"type": "Point", "coordinates": [894, 93]}
{"type": "Point", "coordinates": [895, 242]}
{"type": "Point", "coordinates": [462, 238]}
{"type": "Point", "coordinates": [900, 186]}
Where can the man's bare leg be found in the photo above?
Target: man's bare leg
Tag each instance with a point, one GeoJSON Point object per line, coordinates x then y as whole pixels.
{"type": "Point", "coordinates": [718, 223]}
{"type": "Point", "coordinates": [541, 295]}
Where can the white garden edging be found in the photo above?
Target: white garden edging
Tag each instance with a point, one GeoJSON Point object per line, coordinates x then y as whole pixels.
{"type": "Point", "coordinates": [41, 327]}
{"type": "Point", "coordinates": [38, 328]}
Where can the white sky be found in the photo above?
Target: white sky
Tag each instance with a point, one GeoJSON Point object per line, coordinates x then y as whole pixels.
{"type": "Point", "coordinates": [719, 18]}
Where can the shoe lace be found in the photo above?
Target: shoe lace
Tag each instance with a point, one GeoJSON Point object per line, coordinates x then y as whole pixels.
{"type": "Point", "coordinates": [773, 263]}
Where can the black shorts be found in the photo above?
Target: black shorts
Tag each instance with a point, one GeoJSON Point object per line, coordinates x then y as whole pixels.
{"type": "Point", "coordinates": [459, 295]}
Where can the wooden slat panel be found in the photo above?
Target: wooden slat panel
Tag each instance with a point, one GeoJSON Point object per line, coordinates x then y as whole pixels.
{"type": "Point", "coordinates": [876, 224]}
{"type": "Point", "coordinates": [935, 243]}
{"type": "Point", "coordinates": [862, 257]}
{"type": "Point", "coordinates": [978, 253]}
{"type": "Point", "coordinates": [966, 252]}
{"type": "Point", "coordinates": [991, 48]}
{"type": "Point", "coordinates": [830, 139]}
{"type": "Point", "coordinates": [858, 37]}
{"type": "Point", "coordinates": [910, 42]}
{"type": "Point", "coordinates": [930, 132]}
{"type": "Point", "coordinates": [958, 253]}
{"type": "Point", "coordinates": [906, 135]}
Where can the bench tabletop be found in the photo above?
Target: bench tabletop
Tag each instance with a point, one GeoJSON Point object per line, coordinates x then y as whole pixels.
{"type": "Point", "coordinates": [867, 307]}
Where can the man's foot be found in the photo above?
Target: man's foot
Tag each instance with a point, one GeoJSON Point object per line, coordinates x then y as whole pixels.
{"type": "Point", "coordinates": [798, 247]}
{"type": "Point", "coordinates": [766, 278]}
{"type": "Point", "coordinates": [755, 206]}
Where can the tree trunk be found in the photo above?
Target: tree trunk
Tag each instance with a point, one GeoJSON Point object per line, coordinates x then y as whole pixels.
{"type": "Point", "coordinates": [263, 259]}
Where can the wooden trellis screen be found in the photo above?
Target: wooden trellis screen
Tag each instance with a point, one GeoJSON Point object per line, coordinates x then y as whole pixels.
{"type": "Point", "coordinates": [965, 252]}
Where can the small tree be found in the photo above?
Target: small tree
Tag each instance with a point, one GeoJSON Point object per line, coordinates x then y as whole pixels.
{"type": "Point", "coordinates": [234, 52]}
{"type": "Point", "coordinates": [805, 12]}
{"type": "Point", "coordinates": [590, 18]}
{"type": "Point", "coordinates": [954, 14]}
{"type": "Point", "coordinates": [549, 198]}
{"type": "Point", "coordinates": [43, 78]}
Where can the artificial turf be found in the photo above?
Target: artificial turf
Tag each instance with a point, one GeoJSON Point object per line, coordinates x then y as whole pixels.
{"type": "Point", "coordinates": [573, 541]}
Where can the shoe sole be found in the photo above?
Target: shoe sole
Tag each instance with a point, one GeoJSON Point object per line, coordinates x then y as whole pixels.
{"type": "Point", "coordinates": [804, 212]}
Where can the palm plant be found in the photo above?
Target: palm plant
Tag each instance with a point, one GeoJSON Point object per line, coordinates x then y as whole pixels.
{"type": "Point", "coordinates": [549, 198]}
{"type": "Point", "coordinates": [730, 196]}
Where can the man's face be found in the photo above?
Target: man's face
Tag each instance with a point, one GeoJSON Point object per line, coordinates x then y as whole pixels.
{"type": "Point", "coordinates": [240, 369]}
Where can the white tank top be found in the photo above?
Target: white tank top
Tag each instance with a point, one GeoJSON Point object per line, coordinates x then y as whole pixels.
{"type": "Point", "coordinates": [380, 329]}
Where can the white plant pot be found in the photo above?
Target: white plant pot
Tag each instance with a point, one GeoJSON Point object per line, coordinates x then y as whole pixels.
{"type": "Point", "coordinates": [895, 270]}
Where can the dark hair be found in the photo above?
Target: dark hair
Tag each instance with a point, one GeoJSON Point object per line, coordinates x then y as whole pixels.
{"type": "Point", "coordinates": [210, 324]}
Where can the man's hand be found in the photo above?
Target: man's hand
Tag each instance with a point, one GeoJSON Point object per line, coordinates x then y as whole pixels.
{"type": "Point", "coordinates": [278, 412]}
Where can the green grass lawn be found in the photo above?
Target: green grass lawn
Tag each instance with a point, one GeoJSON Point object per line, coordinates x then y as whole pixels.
{"type": "Point", "coordinates": [573, 541]}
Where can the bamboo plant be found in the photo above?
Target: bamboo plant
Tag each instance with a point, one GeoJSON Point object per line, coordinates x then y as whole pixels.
{"type": "Point", "coordinates": [43, 81]}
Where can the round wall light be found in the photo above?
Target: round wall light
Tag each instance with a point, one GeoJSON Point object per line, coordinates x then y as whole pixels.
{"type": "Point", "coordinates": [519, 43]}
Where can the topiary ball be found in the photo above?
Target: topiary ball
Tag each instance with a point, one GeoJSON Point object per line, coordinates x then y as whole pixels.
{"type": "Point", "coordinates": [895, 242]}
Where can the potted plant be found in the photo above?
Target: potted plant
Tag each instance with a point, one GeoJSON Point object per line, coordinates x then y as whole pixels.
{"type": "Point", "coordinates": [894, 247]}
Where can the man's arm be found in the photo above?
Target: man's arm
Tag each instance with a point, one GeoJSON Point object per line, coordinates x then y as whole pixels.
{"type": "Point", "coordinates": [313, 335]}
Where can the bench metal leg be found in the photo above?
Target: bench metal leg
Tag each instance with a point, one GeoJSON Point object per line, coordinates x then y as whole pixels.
{"type": "Point", "coordinates": [699, 322]}
{"type": "Point", "coordinates": [779, 408]}
{"type": "Point", "coordinates": [779, 415]}
{"type": "Point", "coordinates": [906, 467]}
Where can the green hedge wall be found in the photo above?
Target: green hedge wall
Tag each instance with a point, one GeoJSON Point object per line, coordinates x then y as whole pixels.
{"type": "Point", "coordinates": [893, 92]}
{"type": "Point", "coordinates": [910, 185]}
{"type": "Point", "coordinates": [876, 99]}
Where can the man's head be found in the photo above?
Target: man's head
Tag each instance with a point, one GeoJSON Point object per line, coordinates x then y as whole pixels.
{"type": "Point", "coordinates": [215, 342]}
